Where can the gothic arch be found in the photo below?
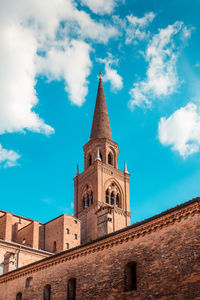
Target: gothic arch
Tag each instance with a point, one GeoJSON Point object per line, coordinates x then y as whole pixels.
{"type": "Point", "coordinates": [112, 152]}
{"type": "Point", "coordinates": [109, 185]}
{"type": "Point", "coordinates": [87, 195]}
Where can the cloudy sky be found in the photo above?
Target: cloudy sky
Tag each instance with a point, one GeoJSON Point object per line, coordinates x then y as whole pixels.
{"type": "Point", "coordinates": [51, 53]}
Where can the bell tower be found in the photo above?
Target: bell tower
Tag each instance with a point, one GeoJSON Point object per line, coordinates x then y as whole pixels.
{"type": "Point", "coordinates": [101, 191]}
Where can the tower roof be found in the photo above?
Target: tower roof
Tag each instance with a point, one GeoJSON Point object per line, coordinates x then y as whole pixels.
{"type": "Point", "coordinates": [100, 124]}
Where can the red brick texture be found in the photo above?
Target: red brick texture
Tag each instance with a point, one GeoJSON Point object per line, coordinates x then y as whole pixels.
{"type": "Point", "coordinates": [166, 249]}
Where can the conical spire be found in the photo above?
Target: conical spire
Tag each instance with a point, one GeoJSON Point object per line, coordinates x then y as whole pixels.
{"type": "Point", "coordinates": [101, 124]}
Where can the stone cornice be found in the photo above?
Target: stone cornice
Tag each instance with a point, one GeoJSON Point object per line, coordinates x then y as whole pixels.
{"type": "Point", "coordinates": [130, 233]}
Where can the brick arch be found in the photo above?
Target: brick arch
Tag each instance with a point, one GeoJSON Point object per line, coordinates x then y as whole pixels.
{"type": "Point", "coordinates": [87, 190]}
{"type": "Point", "coordinates": [112, 151]}
{"type": "Point", "coordinates": [108, 183]}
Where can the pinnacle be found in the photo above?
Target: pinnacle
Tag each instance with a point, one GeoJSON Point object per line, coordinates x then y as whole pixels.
{"type": "Point", "coordinates": [101, 124]}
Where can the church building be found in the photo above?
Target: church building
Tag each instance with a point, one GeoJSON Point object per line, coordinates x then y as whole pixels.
{"type": "Point", "coordinates": [97, 254]}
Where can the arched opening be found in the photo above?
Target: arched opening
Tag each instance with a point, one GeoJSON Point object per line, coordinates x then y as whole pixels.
{"type": "Point", "coordinates": [89, 160]}
{"type": "Point", "coordinates": [91, 198]}
{"type": "Point", "coordinates": [107, 196]}
{"type": "Point", "coordinates": [112, 198]}
{"type": "Point", "coordinates": [101, 156]}
{"type": "Point", "coordinates": [28, 282]}
{"type": "Point", "coordinates": [19, 296]}
{"type": "Point", "coordinates": [110, 159]}
{"type": "Point", "coordinates": [130, 276]}
{"type": "Point", "coordinates": [71, 289]}
{"type": "Point", "coordinates": [117, 200]}
{"type": "Point", "coordinates": [47, 292]}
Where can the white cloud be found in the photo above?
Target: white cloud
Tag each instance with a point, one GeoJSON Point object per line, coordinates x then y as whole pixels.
{"type": "Point", "coordinates": [100, 6]}
{"type": "Point", "coordinates": [136, 28]}
{"type": "Point", "coordinates": [161, 77]}
{"type": "Point", "coordinates": [71, 63]}
{"type": "Point", "coordinates": [111, 74]}
{"type": "Point", "coordinates": [181, 130]}
{"type": "Point", "coordinates": [55, 28]}
{"type": "Point", "coordinates": [8, 158]}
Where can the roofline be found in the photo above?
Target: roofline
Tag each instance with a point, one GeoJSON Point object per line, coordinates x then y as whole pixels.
{"type": "Point", "coordinates": [21, 246]}
{"type": "Point", "coordinates": [61, 216]}
{"type": "Point", "coordinates": [18, 216]}
{"type": "Point", "coordinates": [164, 213]}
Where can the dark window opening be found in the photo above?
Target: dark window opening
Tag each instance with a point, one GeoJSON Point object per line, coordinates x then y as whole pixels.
{"type": "Point", "coordinates": [110, 159]}
{"type": "Point", "coordinates": [75, 236]}
{"type": "Point", "coordinates": [54, 246]}
{"type": "Point", "coordinates": [83, 202]}
{"type": "Point", "coordinates": [117, 200]}
{"type": "Point", "coordinates": [67, 230]}
{"type": "Point", "coordinates": [101, 156]}
{"type": "Point", "coordinates": [1, 269]}
{"type": "Point", "coordinates": [107, 196]}
{"type": "Point", "coordinates": [112, 199]}
{"type": "Point", "coordinates": [28, 282]}
{"type": "Point", "coordinates": [47, 292]}
{"type": "Point", "coordinates": [89, 160]}
{"type": "Point", "coordinates": [19, 296]}
{"type": "Point", "coordinates": [67, 245]}
{"type": "Point", "coordinates": [71, 289]}
{"type": "Point", "coordinates": [91, 198]}
{"type": "Point", "coordinates": [130, 277]}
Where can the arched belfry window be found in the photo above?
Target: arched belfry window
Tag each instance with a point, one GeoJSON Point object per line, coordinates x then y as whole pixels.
{"type": "Point", "coordinates": [101, 156]}
{"type": "Point", "coordinates": [89, 160]}
{"type": "Point", "coordinates": [113, 195]}
{"type": "Point", "coordinates": [19, 296]}
{"type": "Point", "coordinates": [71, 289]}
{"type": "Point", "coordinates": [110, 159]}
{"type": "Point", "coordinates": [87, 197]}
{"type": "Point", "coordinates": [47, 292]}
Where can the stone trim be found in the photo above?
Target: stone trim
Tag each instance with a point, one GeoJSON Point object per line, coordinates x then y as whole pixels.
{"type": "Point", "coordinates": [130, 233]}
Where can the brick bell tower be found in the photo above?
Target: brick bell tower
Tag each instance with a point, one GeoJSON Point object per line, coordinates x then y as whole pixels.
{"type": "Point", "coordinates": [101, 191]}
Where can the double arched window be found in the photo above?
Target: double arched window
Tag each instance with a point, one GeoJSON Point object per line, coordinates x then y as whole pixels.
{"type": "Point", "coordinates": [113, 195]}
{"type": "Point", "coordinates": [87, 197]}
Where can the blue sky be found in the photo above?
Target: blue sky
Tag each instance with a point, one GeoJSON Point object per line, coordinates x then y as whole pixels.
{"type": "Point", "coordinates": [50, 56]}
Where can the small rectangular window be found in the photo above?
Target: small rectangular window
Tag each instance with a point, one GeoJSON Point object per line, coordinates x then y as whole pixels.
{"type": "Point", "coordinates": [130, 277]}
{"type": "Point", "coordinates": [67, 246]}
{"type": "Point", "coordinates": [67, 231]}
{"type": "Point", "coordinates": [75, 222]}
{"type": "Point", "coordinates": [54, 246]}
{"type": "Point", "coordinates": [75, 236]}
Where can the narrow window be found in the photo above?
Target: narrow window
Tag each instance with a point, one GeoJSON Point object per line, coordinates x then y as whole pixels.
{"type": "Point", "coordinates": [19, 296]}
{"type": "Point", "coordinates": [75, 222]}
{"type": "Point", "coordinates": [75, 236]}
{"type": "Point", "coordinates": [54, 246]}
{"type": "Point", "coordinates": [89, 160]}
{"type": "Point", "coordinates": [67, 245]}
{"type": "Point", "coordinates": [91, 198]}
{"type": "Point", "coordinates": [84, 203]}
{"type": "Point", "coordinates": [87, 202]}
{"type": "Point", "coordinates": [28, 282]}
{"type": "Point", "coordinates": [130, 277]}
{"type": "Point", "coordinates": [67, 230]}
{"type": "Point", "coordinates": [71, 289]}
{"type": "Point", "coordinates": [101, 156]}
{"type": "Point", "coordinates": [110, 159]}
{"type": "Point", "coordinates": [117, 200]}
{"type": "Point", "coordinates": [107, 196]}
{"type": "Point", "coordinates": [112, 198]}
{"type": "Point", "coordinates": [47, 292]}
{"type": "Point", "coordinates": [1, 269]}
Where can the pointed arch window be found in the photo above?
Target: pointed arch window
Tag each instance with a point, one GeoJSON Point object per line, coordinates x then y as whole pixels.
{"type": "Point", "coordinates": [71, 289]}
{"type": "Point", "coordinates": [117, 200]}
{"type": "Point", "coordinates": [110, 160]}
{"type": "Point", "coordinates": [101, 156]}
{"type": "Point", "coordinates": [112, 198]}
{"type": "Point", "coordinates": [87, 197]}
{"type": "Point", "coordinates": [89, 160]}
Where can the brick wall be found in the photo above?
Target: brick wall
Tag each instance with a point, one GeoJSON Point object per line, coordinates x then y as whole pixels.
{"type": "Point", "coordinates": [166, 250]}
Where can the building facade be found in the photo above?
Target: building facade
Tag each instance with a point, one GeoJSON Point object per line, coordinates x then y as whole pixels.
{"type": "Point", "coordinates": [97, 254]}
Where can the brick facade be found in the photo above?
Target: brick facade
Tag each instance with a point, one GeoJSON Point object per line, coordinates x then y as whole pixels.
{"type": "Point", "coordinates": [165, 249]}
